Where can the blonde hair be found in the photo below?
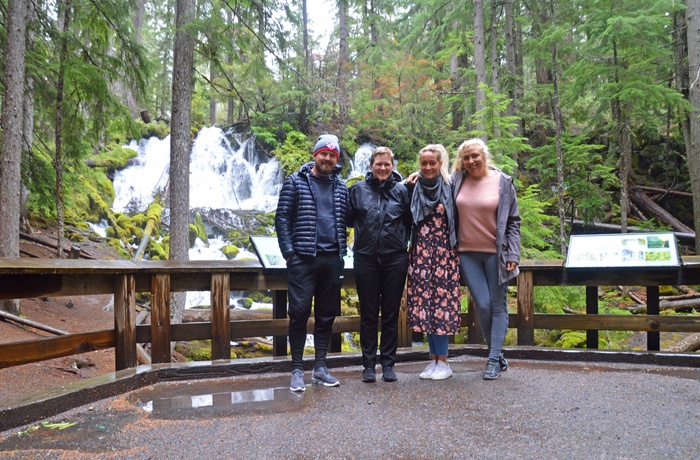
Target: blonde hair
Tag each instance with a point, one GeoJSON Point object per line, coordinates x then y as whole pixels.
{"type": "Point", "coordinates": [442, 157]}
{"type": "Point", "coordinates": [381, 151]}
{"type": "Point", "coordinates": [458, 165]}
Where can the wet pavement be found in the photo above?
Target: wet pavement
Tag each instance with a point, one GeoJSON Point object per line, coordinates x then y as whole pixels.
{"type": "Point", "coordinates": [537, 409]}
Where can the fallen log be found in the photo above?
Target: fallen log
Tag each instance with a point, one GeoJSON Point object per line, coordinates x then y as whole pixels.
{"type": "Point", "coordinates": [202, 315]}
{"type": "Point", "coordinates": [34, 324]}
{"type": "Point", "coordinates": [686, 344]}
{"type": "Point", "coordinates": [677, 305]}
{"type": "Point", "coordinates": [648, 205]}
{"type": "Point", "coordinates": [664, 191]}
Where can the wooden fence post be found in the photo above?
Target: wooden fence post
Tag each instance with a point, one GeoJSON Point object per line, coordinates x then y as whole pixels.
{"type": "Point", "coordinates": [124, 321]}
{"type": "Point", "coordinates": [279, 311]}
{"type": "Point", "coordinates": [160, 318]}
{"type": "Point", "coordinates": [653, 308]}
{"type": "Point", "coordinates": [592, 309]}
{"type": "Point", "coordinates": [220, 316]}
{"type": "Point", "coordinates": [526, 308]}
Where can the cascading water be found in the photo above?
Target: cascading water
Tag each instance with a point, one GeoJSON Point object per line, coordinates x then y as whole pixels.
{"type": "Point", "coordinates": [227, 176]}
{"type": "Point", "coordinates": [222, 175]}
{"type": "Point", "coordinates": [360, 164]}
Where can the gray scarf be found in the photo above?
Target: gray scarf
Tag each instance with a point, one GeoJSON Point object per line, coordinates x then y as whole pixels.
{"type": "Point", "coordinates": [426, 195]}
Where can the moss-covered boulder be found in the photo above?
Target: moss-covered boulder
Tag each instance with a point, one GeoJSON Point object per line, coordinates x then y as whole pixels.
{"type": "Point", "coordinates": [230, 251]}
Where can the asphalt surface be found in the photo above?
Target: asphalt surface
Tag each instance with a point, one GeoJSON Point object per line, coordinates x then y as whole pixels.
{"type": "Point", "coordinates": [537, 409]}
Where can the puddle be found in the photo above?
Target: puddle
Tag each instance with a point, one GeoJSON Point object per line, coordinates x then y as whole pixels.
{"type": "Point", "coordinates": [210, 399]}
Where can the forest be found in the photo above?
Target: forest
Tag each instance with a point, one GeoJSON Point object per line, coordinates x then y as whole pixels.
{"type": "Point", "coordinates": [592, 105]}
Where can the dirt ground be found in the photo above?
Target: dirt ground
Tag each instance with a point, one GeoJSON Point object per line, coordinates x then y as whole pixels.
{"type": "Point", "coordinates": [69, 314]}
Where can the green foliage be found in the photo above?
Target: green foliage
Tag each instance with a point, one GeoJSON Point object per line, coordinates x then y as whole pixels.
{"type": "Point", "coordinates": [587, 177]}
{"type": "Point", "coordinates": [551, 299]}
{"type": "Point", "coordinates": [536, 227]}
{"type": "Point", "coordinates": [294, 152]}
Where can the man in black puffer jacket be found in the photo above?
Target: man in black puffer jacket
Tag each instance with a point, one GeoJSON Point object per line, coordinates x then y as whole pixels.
{"type": "Point", "coordinates": [312, 235]}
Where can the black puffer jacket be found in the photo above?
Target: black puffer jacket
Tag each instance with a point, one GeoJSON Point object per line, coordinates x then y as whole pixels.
{"type": "Point", "coordinates": [295, 220]}
{"type": "Point", "coordinates": [381, 215]}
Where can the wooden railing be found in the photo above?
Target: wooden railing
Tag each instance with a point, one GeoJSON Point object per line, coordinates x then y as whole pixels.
{"type": "Point", "coordinates": [30, 278]}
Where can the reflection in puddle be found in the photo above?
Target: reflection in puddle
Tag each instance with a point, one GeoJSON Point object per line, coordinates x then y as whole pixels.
{"type": "Point", "coordinates": [173, 405]}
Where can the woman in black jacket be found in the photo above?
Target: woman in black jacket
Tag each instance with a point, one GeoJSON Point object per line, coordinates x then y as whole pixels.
{"type": "Point", "coordinates": [380, 212]}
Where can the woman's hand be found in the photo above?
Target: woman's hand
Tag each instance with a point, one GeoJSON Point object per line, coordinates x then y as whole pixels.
{"type": "Point", "coordinates": [510, 266]}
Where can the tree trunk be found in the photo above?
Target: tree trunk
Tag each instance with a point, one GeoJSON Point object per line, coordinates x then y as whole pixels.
{"type": "Point", "coordinates": [559, 127]}
{"type": "Point", "coordinates": [212, 94]}
{"type": "Point", "coordinates": [457, 109]}
{"type": "Point", "coordinates": [303, 122]}
{"type": "Point", "coordinates": [231, 101]}
{"type": "Point", "coordinates": [58, 159]}
{"type": "Point", "coordinates": [11, 152]}
{"type": "Point", "coordinates": [180, 141]}
{"type": "Point", "coordinates": [680, 51]}
{"type": "Point", "coordinates": [343, 60]}
{"type": "Point", "coordinates": [479, 59]}
{"type": "Point", "coordinates": [510, 80]}
{"type": "Point", "coordinates": [692, 16]}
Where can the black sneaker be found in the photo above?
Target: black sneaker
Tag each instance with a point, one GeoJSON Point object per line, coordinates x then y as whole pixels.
{"type": "Point", "coordinates": [368, 375]}
{"type": "Point", "coordinates": [492, 371]}
{"type": "Point", "coordinates": [502, 363]}
{"type": "Point", "coordinates": [388, 374]}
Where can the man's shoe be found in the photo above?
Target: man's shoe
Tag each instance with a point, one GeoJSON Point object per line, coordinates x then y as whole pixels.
{"type": "Point", "coordinates": [428, 371]}
{"type": "Point", "coordinates": [321, 376]}
{"type": "Point", "coordinates": [502, 363]}
{"type": "Point", "coordinates": [492, 371]}
{"type": "Point", "coordinates": [368, 375]}
{"type": "Point", "coordinates": [388, 374]}
{"type": "Point", "coordinates": [442, 371]}
{"type": "Point", "coordinates": [297, 383]}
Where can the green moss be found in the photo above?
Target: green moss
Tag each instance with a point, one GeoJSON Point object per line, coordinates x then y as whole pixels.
{"type": "Point", "coordinates": [246, 302]}
{"type": "Point", "coordinates": [112, 157]}
{"type": "Point", "coordinates": [230, 251]}
{"type": "Point", "coordinates": [196, 350]}
{"type": "Point", "coordinates": [572, 339]}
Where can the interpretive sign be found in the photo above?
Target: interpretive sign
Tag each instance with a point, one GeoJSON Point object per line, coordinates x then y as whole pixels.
{"type": "Point", "coordinates": [268, 251]}
{"type": "Point", "coordinates": [623, 250]}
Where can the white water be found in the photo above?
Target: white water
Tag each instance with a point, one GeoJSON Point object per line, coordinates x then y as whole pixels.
{"type": "Point", "coordinates": [360, 164]}
{"type": "Point", "coordinates": [222, 176]}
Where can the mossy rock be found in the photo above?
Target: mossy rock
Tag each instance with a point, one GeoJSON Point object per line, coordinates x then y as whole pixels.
{"type": "Point", "coordinates": [572, 339]}
{"type": "Point", "coordinates": [245, 302]}
{"type": "Point", "coordinates": [230, 251]}
{"type": "Point", "coordinates": [196, 350]}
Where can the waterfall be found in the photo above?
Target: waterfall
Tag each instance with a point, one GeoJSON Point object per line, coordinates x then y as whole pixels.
{"type": "Point", "coordinates": [226, 172]}
{"type": "Point", "coordinates": [360, 164]}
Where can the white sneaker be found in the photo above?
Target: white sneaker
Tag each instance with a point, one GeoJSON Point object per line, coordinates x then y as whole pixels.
{"type": "Point", "coordinates": [427, 373]}
{"type": "Point", "coordinates": [442, 371]}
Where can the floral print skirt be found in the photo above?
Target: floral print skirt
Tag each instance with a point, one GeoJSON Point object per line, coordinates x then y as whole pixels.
{"type": "Point", "coordinates": [433, 278]}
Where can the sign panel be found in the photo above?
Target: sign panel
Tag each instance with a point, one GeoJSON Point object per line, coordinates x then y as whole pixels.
{"type": "Point", "coordinates": [623, 250]}
{"type": "Point", "coordinates": [270, 256]}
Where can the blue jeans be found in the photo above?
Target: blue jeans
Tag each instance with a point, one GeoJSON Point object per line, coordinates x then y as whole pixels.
{"type": "Point", "coordinates": [438, 344]}
{"type": "Point", "coordinates": [480, 272]}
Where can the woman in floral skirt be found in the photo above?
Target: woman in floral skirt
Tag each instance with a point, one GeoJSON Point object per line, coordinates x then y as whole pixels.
{"type": "Point", "coordinates": [433, 270]}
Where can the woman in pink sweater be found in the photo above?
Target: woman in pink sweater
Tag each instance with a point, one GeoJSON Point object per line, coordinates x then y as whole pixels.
{"type": "Point", "coordinates": [488, 242]}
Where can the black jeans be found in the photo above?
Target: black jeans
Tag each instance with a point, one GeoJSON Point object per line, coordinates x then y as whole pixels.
{"type": "Point", "coordinates": [319, 278]}
{"type": "Point", "coordinates": [380, 287]}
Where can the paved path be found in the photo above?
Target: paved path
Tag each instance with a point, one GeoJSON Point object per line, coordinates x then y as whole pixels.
{"type": "Point", "coordinates": [537, 410]}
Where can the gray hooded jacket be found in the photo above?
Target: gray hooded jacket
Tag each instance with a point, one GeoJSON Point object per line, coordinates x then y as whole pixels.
{"type": "Point", "coordinates": [507, 222]}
